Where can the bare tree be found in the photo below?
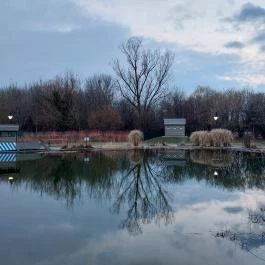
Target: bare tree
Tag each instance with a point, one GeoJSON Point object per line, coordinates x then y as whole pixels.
{"type": "Point", "coordinates": [173, 104]}
{"type": "Point", "coordinates": [99, 91]}
{"type": "Point", "coordinates": [105, 118]}
{"type": "Point", "coordinates": [142, 80]}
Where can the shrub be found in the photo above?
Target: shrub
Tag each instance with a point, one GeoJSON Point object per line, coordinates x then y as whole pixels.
{"type": "Point", "coordinates": [253, 146]}
{"type": "Point", "coordinates": [206, 139]}
{"type": "Point", "coordinates": [201, 138]}
{"type": "Point", "coordinates": [216, 137]}
{"type": "Point", "coordinates": [135, 137]}
{"type": "Point", "coordinates": [196, 137]}
{"type": "Point", "coordinates": [247, 139]}
{"type": "Point", "coordinates": [221, 137]}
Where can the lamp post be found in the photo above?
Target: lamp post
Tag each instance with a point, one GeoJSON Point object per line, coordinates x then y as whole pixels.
{"type": "Point", "coordinates": [215, 117]}
{"type": "Point", "coordinates": [10, 117]}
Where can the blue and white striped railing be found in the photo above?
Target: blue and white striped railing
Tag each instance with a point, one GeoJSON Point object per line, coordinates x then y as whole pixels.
{"type": "Point", "coordinates": [11, 157]}
{"type": "Point", "coordinates": [8, 146]}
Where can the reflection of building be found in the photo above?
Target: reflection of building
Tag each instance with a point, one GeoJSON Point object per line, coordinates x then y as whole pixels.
{"type": "Point", "coordinates": [9, 162]}
{"type": "Point", "coordinates": [174, 127]}
{"type": "Point", "coordinates": [8, 137]}
{"type": "Point", "coordinates": [7, 158]}
{"type": "Point", "coordinates": [174, 158]}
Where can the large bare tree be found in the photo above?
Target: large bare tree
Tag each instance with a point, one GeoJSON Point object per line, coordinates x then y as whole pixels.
{"type": "Point", "coordinates": [142, 78]}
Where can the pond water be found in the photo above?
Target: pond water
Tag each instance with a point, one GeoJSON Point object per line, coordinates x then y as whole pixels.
{"type": "Point", "coordinates": [133, 208]}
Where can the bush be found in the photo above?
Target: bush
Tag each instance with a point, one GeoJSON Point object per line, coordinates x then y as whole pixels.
{"type": "Point", "coordinates": [201, 138]}
{"type": "Point", "coordinates": [221, 137]}
{"type": "Point", "coordinates": [135, 137]}
{"type": "Point", "coordinates": [216, 138]}
{"type": "Point", "coordinates": [247, 139]}
{"type": "Point", "coordinates": [196, 137]}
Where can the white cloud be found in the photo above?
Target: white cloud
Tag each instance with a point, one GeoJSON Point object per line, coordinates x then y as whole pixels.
{"type": "Point", "coordinates": [249, 72]}
{"type": "Point", "coordinates": [195, 25]}
{"type": "Point", "coordinates": [193, 224]}
{"type": "Point", "coordinates": [55, 27]}
{"type": "Point", "coordinates": [157, 19]}
{"type": "Point", "coordinates": [245, 80]}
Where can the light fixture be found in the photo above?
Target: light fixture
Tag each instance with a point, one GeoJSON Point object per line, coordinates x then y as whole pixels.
{"type": "Point", "coordinates": [86, 159]}
{"type": "Point", "coordinates": [10, 117]}
{"type": "Point", "coordinates": [215, 117]}
{"type": "Point", "coordinates": [215, 173]}
{"type": "Point", "coordinates": [10, 178]}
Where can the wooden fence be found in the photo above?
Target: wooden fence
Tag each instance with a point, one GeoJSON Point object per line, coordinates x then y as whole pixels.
{"type": "Point", "coordinates": [74, 137]}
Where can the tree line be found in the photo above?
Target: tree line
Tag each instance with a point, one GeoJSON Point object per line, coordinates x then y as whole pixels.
{"type": "Point", "coordinates": [137, 95]}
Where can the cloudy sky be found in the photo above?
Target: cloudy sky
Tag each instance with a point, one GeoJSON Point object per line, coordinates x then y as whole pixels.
{"type": "Point", "coordinates": [219, 43]}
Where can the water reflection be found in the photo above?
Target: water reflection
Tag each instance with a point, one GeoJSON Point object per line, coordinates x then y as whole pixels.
{"type": "Point", "coordinates": [215, 158]}
{"type": "Point", "coordinates": [143, 190]}
{"type": "Point", "coordinates": [136, 176]}
{"type": "Point", "coordinates": [136, 191]}
{"type": "Point", "coordinates": [138, 180]}
{"type": "Point", "coordinates": [249, 235]}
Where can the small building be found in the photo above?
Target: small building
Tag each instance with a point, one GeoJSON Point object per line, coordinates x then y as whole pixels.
{"type": "Point", "coordinates": [175, 127]}
{"type": "Point", "coordinates": [8, 137]}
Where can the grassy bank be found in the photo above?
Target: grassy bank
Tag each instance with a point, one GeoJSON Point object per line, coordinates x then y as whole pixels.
{"type": "Point", "coordinates": [186, 141]}
{"type": "Point", "coordinates": [173, 142]}
{"type": "Point", "coordinates": [168, 140]}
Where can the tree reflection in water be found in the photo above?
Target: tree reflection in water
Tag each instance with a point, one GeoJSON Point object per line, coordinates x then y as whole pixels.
{"type": "Point", "coordinates": [67, 178]}
{"type": "Point", "coordinates": [249, 237]}
{"type": "Point", "coordinates": [142, 190]}
{"type": "Point", "coordinates": [138, 185]}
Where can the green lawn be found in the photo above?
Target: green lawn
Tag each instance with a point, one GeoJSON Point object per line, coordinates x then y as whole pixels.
{"type": "Point", "coordinates": [186, 141]}
{"type": "Point", "coordinates": [258, 143]}
{"type": "Point", "coordinates": [168, 140]}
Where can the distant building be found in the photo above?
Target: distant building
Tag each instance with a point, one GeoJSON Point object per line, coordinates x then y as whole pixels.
{"type": "Point", "coordinates": [174, 127]}
{"type": "Point", "coordinates": [8, 137]}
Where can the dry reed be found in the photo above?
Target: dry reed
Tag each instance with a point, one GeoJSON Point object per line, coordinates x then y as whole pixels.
{"type": "Point", "coordinates": [216, 138]}
{"type": "Point", "coordinates": [135, 137]}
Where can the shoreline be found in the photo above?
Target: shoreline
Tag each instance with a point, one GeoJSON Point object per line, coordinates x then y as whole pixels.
{"type": "Point", "coordinates": [141, 147]}
{"type": "Point", "coordinates": [161, 148]}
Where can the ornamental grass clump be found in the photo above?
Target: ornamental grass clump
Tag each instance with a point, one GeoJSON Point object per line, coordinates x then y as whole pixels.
{"type": "Point", "coordinates": [221, 137]}
{"type": "Point", "coordinates": [196, 138]}
{"type": "Point", "coordinates": [206, 139]}
{"type": "Point", "coordinates": [135, 137]}
{"type": "Point", "coordinates": [216, 138]}
{"type": "Point", "coordinates": [200, 138]}
{"type": "Point", "coordinates": [248, 140]}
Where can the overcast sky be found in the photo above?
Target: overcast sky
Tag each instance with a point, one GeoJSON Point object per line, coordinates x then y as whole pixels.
{"type": "Point", "coordinates": [220, 43]}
